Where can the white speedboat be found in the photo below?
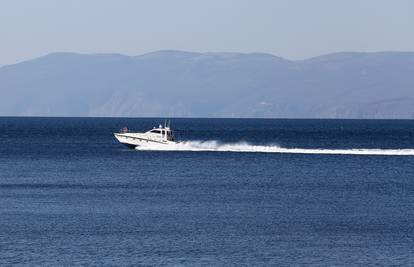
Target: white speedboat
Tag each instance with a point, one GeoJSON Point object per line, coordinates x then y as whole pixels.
{"type": "Point", "coordinates": [162, 135]}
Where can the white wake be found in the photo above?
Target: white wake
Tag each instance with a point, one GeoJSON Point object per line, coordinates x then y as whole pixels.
{"type": "Point", "coordinates": [246, 147]}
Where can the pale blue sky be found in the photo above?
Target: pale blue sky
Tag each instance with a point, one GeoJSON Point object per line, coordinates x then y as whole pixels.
{"type": "Point", "coordinates": [292, 29]}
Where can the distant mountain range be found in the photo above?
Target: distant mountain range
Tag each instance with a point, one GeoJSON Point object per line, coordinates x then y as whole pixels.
{"type": "Point", "coordinates": [184, 84]}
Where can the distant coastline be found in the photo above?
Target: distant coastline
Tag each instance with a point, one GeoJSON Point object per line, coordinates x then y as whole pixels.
{"type": "Point", "coordinates": [217, 85]}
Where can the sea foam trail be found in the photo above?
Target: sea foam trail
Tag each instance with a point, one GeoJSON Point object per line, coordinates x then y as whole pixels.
{"type": "Point", "coordinates": [246, 147]}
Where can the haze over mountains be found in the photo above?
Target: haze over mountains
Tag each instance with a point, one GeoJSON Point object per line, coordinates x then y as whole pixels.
{"type": "Point", "coordinates": [184, 84]}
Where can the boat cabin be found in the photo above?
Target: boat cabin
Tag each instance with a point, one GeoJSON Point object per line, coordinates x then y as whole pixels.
{"type": "Point", "coordinates": [164, 133]}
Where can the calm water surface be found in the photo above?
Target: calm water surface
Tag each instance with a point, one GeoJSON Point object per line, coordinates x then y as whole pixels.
{"type": "Point", "coordinates": [71, 195]}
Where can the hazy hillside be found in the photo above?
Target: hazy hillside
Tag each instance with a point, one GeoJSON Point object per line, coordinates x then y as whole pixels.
{"type": "Point", "coordinates": [172, 83]}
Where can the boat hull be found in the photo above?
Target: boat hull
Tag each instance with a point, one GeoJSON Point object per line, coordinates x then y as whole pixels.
{"type": "Point", "coordinates": [133, 141]}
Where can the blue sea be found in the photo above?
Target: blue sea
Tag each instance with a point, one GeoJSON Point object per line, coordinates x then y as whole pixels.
{"type": "Point", "coordinates": [237, 192]}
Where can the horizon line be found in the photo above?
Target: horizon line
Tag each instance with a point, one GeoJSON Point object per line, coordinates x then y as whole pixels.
{"type": "Point", "coordinates": [203, 118]}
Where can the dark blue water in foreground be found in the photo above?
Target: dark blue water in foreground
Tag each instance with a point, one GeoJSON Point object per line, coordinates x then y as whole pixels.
{"type": "Point", "coordinates": [71, 195]}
